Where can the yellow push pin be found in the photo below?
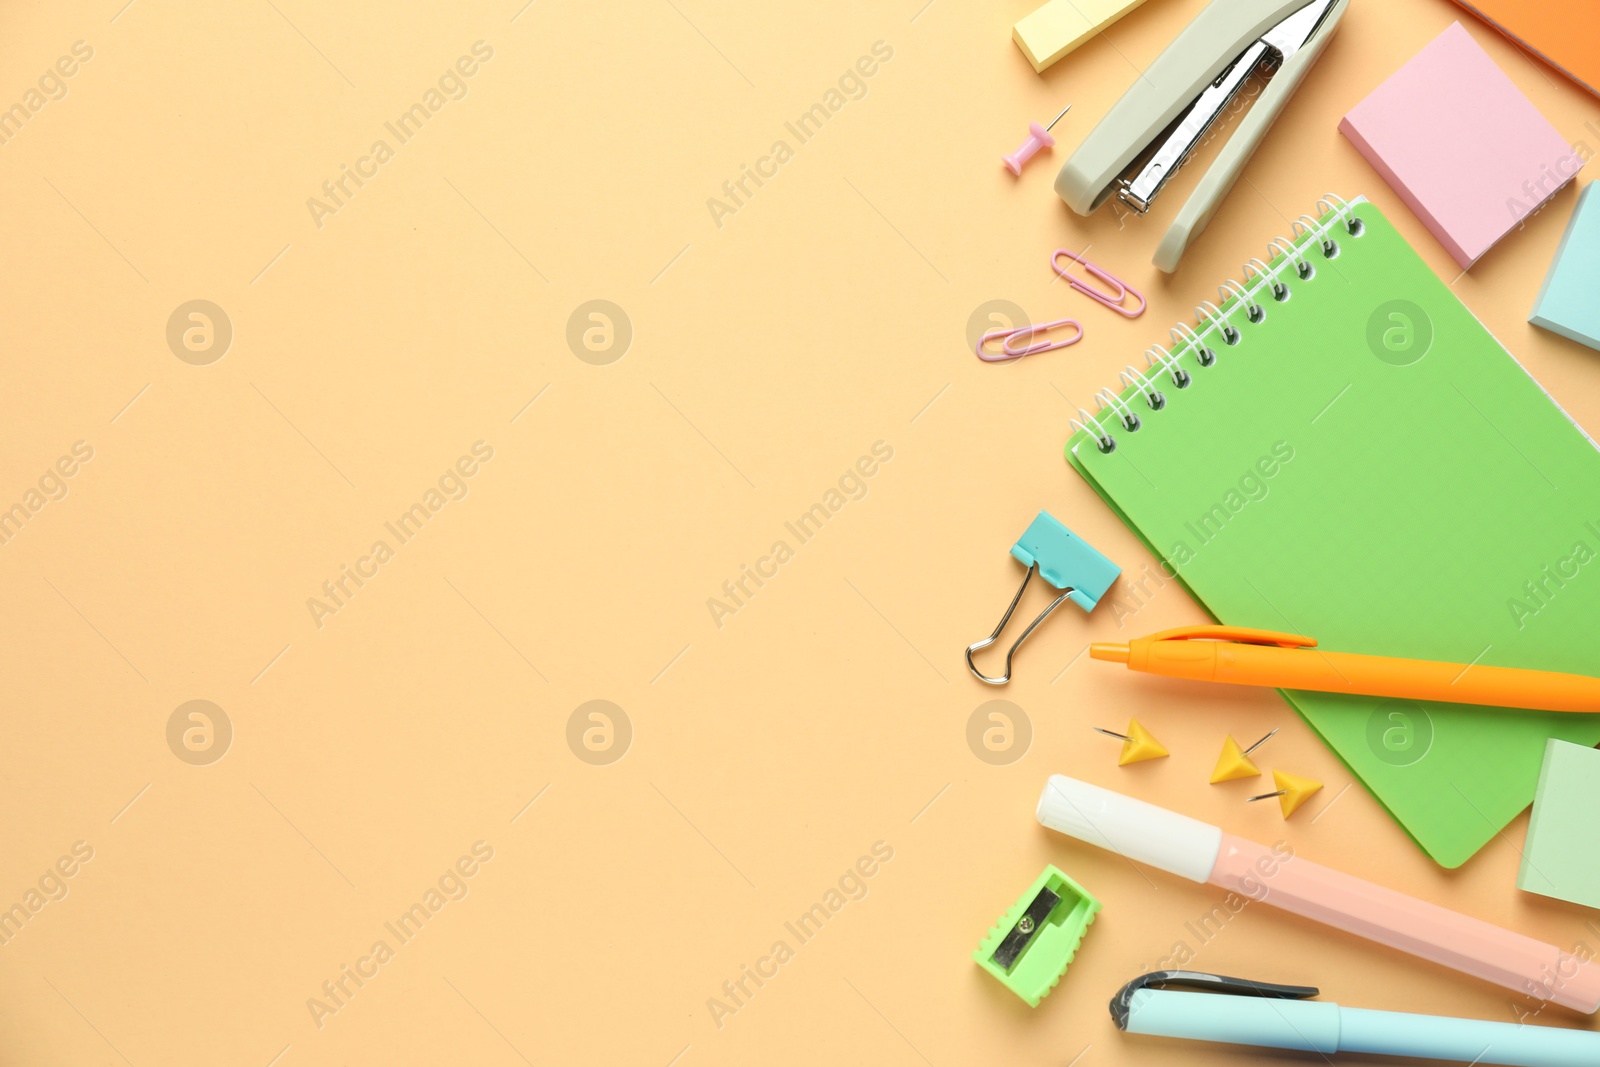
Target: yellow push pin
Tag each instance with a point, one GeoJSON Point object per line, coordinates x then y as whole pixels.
{"type": "Point", "coordinates": [1235, 762]}
{"type": "Point", "coordinates": [1292, 791]}
{"type": "Point", "coordinates": [1137, 744]}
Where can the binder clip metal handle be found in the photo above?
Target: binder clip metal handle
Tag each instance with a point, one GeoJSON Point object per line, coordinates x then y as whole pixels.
{"type": "Point", "coordinates": [1065, 561]}
{"type": "Point", "coordinates": [999, 629]}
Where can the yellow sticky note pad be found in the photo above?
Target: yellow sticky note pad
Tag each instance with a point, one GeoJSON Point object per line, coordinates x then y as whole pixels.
{"type": "Point", "coordinates": [1058, 27]}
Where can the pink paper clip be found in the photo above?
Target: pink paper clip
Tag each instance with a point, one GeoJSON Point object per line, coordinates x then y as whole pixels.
{"type": "Point", "coordinates": [1027, 334]}
{"type": "Point", "coordinates": [1119, 290]}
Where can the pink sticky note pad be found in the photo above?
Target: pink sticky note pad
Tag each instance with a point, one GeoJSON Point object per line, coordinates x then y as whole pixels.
{"type": "Point", "coordinates": [1461, 145]}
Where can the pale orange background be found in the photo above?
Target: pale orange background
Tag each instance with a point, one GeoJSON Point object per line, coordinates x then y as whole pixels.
{"type": "Point", "coordinates": [768, 355]}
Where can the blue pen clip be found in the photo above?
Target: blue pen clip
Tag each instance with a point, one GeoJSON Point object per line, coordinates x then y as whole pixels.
{"type": "Point", "coordinates": [1067, 562]}
{"type": "Point", "coordinates": [1214, 983]}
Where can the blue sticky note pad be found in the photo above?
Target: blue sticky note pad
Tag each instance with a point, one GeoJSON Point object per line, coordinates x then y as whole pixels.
{"type": "Point", "coordinates": [1569, 301]}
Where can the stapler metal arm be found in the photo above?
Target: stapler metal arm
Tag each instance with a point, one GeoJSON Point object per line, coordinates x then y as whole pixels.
{"type": "Point", "coordinates": [1149, 133]}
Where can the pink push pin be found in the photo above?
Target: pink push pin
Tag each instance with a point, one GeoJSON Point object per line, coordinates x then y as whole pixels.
{"type": "Point", "coordinates": [1038, 137]}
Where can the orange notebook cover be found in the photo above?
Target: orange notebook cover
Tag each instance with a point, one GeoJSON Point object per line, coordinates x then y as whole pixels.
{"type": "Point", "coordinates": [1563, 33]}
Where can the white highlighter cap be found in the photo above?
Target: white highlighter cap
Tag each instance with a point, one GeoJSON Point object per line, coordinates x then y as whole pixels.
{"type": "Point", "coordinates": [1129, 827]}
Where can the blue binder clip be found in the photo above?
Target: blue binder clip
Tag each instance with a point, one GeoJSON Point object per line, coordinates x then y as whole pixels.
{"type": "Point", "coordinates": [1067, 562]}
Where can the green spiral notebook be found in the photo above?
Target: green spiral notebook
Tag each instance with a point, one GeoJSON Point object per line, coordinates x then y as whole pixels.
{"type": "Point", "coordinates": [1367, 465]}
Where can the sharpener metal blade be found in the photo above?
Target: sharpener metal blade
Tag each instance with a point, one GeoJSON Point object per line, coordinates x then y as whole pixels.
{"type": "Point", "coordinates": [1022, 934]}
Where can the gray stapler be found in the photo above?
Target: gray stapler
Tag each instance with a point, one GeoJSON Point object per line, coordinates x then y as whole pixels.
{"type": "Point", "coordinates": [1149, 133]}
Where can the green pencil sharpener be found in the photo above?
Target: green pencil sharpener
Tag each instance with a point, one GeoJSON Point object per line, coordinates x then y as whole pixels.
{"type": "Point", "coordinates": [1029, 948]}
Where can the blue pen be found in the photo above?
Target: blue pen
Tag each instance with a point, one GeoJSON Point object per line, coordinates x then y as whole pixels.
{"type": "Point", "coordinates": [1280, 1016]}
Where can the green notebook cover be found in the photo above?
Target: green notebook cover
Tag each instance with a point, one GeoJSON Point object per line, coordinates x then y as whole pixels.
{"type": "Point", "coordinates": [1368, 466]}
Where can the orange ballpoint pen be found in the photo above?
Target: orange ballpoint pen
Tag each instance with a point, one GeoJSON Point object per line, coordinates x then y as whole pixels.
{"type": "Point", "coordinates": [1291, 661]}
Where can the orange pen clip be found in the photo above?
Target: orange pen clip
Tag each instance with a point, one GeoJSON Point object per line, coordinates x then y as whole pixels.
{"type": "Point", "coordinates": [1243, 634]}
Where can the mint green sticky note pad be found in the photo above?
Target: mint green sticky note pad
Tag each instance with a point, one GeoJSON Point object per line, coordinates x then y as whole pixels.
{"type": "Point", "coordinates": [1566, 303]}
{"type": "Point", "coordinates": [1561, 857]}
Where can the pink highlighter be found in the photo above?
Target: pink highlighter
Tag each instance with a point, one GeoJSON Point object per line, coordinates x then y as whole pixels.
{"type": "Point", "coordinates": [1203, 853]}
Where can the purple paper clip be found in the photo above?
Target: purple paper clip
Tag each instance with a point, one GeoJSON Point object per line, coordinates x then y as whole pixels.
{"type": "Point", "coordinates": [1026, 334]}
{"type": "Point", "coordinates": [1119, 290]}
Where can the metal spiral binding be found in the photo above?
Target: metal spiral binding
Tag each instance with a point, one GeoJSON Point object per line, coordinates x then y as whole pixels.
{"type": "Point", "coordinates": [1258, 275]}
